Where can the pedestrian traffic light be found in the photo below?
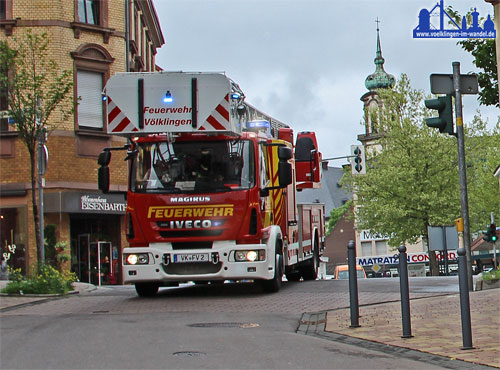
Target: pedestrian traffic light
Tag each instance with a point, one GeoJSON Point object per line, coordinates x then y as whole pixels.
{"type": "Point", "coordinates": [359, 162]}
{"type": "Point", "coordinates": [491, 234]}
{"type": "Point", "coordinates": [445, 120]}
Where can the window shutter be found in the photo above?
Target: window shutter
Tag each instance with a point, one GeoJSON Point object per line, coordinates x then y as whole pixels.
{"type": "Point", "coordinates": [90, 104]}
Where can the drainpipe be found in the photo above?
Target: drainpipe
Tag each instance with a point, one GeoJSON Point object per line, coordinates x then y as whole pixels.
{"type": "Point", "coordinates": [127, 28]}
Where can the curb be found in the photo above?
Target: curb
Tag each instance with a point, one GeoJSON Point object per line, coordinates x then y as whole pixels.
{"type": "Point", "coordinates": [314, 324]}
{"type": "Point", "coordinates": [41, 298]}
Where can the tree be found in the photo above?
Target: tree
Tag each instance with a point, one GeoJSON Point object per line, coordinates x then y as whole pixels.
{"type": "Point", "coordinates": [484, 53]}
{"type": "Point", "coordinates": [412, 181]}
{"type": "Point", "coordinates": [336, 214]}
{"type": "Point", "coordinates": [482, 157]}
{"type": "Point", "coordinates": [35, 88]}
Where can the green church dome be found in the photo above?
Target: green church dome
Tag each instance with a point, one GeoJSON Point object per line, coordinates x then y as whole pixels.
{"type": "Point", "coordinates": [379, 79]}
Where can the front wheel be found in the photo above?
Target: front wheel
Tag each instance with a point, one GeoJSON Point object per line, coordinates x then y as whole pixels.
{"type": "Point", "coordinates": [146, 289]}
{"type": "Point", "coordinates": [274, 285]}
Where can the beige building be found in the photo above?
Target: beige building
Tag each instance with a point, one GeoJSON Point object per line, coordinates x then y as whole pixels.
{"type": "Point", "coordinates": [95, 39]}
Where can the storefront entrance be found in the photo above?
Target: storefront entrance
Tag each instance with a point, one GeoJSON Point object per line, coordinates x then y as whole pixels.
{"type": "Point", "coordinates": [96, 263]}
{"type": "Point", "coordinates": [95, 249]}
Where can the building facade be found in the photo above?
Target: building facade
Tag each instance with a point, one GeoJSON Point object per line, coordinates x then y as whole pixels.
{"type": "Point", "coordinates": [94, 39]}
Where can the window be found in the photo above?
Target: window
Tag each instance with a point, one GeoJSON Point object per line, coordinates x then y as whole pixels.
{"type": "Point", "coordinates": [91, 67]}
{"type": "Point", "coordinates": [4, 126]}
{"type": "Point", "coordinates": [89, 11]}
{"type": "Point", "coordinates": [90, 105]}
{"type": "Point", "coordinates": [381, 247]}
{"type": "Point", "coordinates": [3, 9]}
{"type": "Point", "coordinates": [193, 166]}
{"type": "Point", "coordinates": [366, 249]}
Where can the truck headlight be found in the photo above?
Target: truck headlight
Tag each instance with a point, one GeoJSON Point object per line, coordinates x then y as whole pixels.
{"type": "Point", "coordinates": [250, 255]}
{"type": "Point", "coordinates": [136, 259]}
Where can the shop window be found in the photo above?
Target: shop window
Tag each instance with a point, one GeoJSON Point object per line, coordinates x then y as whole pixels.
{"type": "Point", "coordinates": [13, 238]}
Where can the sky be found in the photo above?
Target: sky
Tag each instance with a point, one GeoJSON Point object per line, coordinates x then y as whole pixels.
{"type": "Point", "coordinates": [304, 62]}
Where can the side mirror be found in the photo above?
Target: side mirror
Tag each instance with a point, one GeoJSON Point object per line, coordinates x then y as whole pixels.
{"type": "Point", "coordinates": [104, 158]}
{"type": "Point", "coordinates": [284, 174]}
{"type": "Point", "coordinates": [103, 178]}
{"type": "Point", "coordinates": [284, 153]}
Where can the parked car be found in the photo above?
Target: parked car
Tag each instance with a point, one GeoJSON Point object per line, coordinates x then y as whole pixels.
{"type": "Point", "coordinates": [342, 272]}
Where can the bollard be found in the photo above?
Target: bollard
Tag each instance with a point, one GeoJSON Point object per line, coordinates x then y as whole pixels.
{"type": "Point", "coordinates": [353, 284]}
{"type": "Point", "coordinates": [405, 292]}
{"type": "Point", "coordinates": [464, 299]}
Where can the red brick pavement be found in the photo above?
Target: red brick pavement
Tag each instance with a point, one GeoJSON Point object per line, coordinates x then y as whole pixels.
{"type": "Point", "coordinates": [436, 326]}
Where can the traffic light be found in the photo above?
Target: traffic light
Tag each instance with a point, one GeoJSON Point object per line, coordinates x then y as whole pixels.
{"type": "Point", "coordinates": [445, 120]}
{"type": "Point", "coordinates": [359, 161]}
{"type": "Point", "coordinates": [491, 234]}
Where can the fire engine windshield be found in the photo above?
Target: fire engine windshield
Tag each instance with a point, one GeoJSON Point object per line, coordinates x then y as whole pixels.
{"type": "Point", "coordinates": [193, 167]}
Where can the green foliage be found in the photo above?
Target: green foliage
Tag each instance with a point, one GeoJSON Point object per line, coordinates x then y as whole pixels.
{"type": "Point", "coordinates": [63, 252]}
{"type": "Point", "coordinates": [46, 281]}
{"type": "Point", "coordinates": [412, 179]}
{"type": "Point", "coordinates": [484, 53]}
{"type": "Point", "coordinates": [50, 244]}
{"type": "Point", "coordinates": [491, 275]}
{"type": "Point", "coordinates": [335, 216]}
{"type": "Point", "coordinates": [482, 158]}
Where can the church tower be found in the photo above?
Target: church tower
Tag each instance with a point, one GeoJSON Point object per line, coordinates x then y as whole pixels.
{"type": "Point", "coordinates": [379, 79]}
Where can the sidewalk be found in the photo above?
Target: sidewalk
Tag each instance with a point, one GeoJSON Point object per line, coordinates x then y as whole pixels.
{"type": "Point", "coordinates": [436, 326]}
{"type": "Point", "coordinates": [10, 301]}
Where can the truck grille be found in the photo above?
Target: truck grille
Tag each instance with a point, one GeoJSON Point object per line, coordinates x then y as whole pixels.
{"type": "Point", "coordinates": [191, 245]}
{"type": "Point", "coordinates": [195, 268]}
{"type": "Point", "coordinates": [189, 233]}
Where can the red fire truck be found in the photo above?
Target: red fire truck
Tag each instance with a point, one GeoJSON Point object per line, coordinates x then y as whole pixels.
{"type": "Point", "coordinates": [212, 184]}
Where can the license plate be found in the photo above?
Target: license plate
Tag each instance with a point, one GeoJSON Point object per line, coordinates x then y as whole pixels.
{"type": "Point", "coordinates": [191, 257]}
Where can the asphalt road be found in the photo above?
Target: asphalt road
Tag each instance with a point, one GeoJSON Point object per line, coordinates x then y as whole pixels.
{"type": "Point", "coordinates": [234, 326]}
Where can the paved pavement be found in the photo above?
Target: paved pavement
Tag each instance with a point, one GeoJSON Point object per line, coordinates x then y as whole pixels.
{"type": "Point", "coordinates": [435, 326]}
{"type": "Point", "coordinates": [10, 302]}
{"type": "Point", "coordinates": [436, 323]}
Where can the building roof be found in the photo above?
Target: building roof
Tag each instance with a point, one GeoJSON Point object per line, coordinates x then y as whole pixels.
{"type": "Point", "coordinates": [330, 193]}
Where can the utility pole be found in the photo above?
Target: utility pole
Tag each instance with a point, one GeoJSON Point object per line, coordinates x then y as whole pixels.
{"type": "Point", "coordinates": [41, 172]}
{"type": "Point", "coordinates": [455, 84]}
{"type": "Point", "coordinates": [464, 202]}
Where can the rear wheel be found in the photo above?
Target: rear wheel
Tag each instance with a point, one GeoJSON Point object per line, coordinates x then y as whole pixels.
{"type": "Point", "coordinates": [146, 289]}
{"type": "Point", "coordinates": [310, 270]}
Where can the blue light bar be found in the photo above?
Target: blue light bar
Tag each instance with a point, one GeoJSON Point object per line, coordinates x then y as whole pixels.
{"type": "Point", "coordinates": [259, 124]}
{"type": "Point", "coordinates": [168, 98]}
{"type": "Point", "coordinates": [235, 96]}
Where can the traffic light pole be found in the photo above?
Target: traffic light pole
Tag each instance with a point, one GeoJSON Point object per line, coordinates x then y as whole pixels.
{"type": "Point", "coordinates": [493, 243]}
{"type": "Point", "coordinates": [464, 203]}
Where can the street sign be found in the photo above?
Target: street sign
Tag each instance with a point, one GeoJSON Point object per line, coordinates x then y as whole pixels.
{"type": "Point", "coordinates": [44, 160]}
{"type": "Point", "coordinates": [443, 84]}
{"type": "Point", "coordinates": [439, 235]}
